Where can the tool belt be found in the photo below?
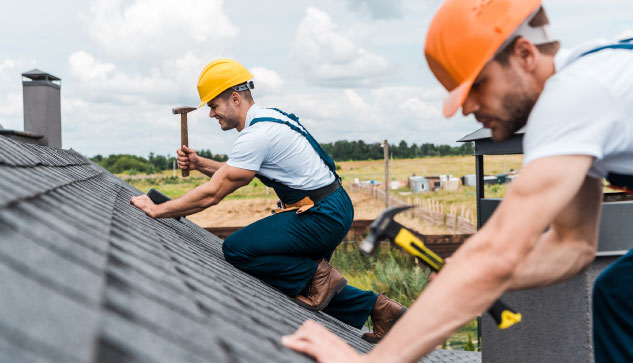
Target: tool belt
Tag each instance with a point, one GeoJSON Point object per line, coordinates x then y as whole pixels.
{"type": "Point", "coordinates": [621, 182]}
{"type": "Point", "coordinates": [308, 202]}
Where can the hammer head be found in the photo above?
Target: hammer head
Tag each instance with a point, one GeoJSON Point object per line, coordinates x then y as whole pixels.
{"type": "Point", "coordinates": [182, 109]}
{"type": "Point", "coordinates": [378, 229]}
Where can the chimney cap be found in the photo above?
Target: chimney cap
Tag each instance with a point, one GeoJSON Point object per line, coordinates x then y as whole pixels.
{"type": "Point", "coordinates": [37, 75]}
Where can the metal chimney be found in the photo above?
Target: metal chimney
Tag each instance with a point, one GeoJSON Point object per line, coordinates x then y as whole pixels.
{"type": "Point", "coordinates": [42, 106]}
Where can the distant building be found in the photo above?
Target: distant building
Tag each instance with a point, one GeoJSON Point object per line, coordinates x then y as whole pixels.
{"type": "Point", "coordinates": [490, 180]}
{"type": "Point", "coordinates": [434, 182]}
{"type": "Point", "coordinates": [469, 180]}
{"type": "Point", "coordinates": [419, 184]}
{"type": "Point", "coordinates": [451, 184]}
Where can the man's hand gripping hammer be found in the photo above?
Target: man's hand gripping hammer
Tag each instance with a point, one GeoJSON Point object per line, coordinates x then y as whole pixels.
{"type": "Point", "coordinates": [184, 134]}
{"type": "Point", "coordinates": [384, 227]}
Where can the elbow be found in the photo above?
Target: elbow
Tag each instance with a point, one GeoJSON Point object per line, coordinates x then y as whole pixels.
{"type": "Point", "coordinates": [208, 201]}
{"type": "Point", "coordinates": [498, 261]}
{"type": "Point", "coordinates": [587, 252]}
{"type": "Point", "coordinates": [500, 268]}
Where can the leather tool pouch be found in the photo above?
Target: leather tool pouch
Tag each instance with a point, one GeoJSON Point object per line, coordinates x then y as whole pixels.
{"type": "Point", "coordinates": [300, 206]}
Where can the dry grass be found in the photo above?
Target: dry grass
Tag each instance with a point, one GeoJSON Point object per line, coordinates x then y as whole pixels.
{"type": "Point", "coordinates": [251, 203]}
{"type": "Point", "coordinates": [235, 213]}
{"type": "Point", "coordinates": [404, 168]}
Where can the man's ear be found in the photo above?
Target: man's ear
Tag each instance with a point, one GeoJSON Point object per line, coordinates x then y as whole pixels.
{"type": "Point", "coordinates": [236, 98]}
{"type": "Point", "coordinates": [526, 54]}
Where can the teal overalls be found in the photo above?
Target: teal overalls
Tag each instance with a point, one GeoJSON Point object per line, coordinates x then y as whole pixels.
{"type": "Point", "coordinates": [283, 249]}
{"type": "Point", "coordinates": [612, 300]}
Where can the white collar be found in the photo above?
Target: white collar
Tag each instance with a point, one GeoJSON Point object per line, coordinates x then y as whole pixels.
{"type": "Point", "coordinates": [564, 57]}
{"type": "Point", "coordinates": [250, 115]}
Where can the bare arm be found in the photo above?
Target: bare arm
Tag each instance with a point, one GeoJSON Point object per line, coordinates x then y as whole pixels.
{"type": "Point", "coordinates": [481, 270]}
{"type": "Point", "coordinates": [226, 180]}
{"type": "Point", "coordinates": [188, 159]}
{"type": "Point", "coordinates": [208, 166]}
{"type": "Point", "coordinates": [568, 246]}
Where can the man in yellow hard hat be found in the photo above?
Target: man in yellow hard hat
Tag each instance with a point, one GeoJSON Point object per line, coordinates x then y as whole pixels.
{"type": "Point", "coordinates": [498, 63]}
{"type": "Point", "coordinates": [290, 249]}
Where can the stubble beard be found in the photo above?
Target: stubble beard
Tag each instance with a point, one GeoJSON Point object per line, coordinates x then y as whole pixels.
{"type": "Point", "coordinates": [518, 106]}
{"type": "Point", "coordinates": [231, 121]}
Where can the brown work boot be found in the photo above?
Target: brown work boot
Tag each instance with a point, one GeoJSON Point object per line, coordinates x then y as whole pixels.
{"type": "Point", "coordinates": [325, 283]}
{"type": "Point", "coordinates": [385, 313]}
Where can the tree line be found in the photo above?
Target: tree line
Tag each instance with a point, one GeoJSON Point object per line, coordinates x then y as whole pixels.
{"type": "Point", "coordinates": [359, 150]}
{"type": "Point", "coordinates": [339, 150]}
{"type": "Point", "coordinates": [119, 163]}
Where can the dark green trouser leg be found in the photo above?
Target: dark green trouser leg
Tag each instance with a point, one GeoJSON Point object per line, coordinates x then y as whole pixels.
{"type": "Point", "coordinates": [613, 312]}
{"type": "Point", "coordinates": [282, 250]}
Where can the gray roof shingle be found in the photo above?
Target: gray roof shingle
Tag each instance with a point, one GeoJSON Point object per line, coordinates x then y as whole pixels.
{"type": "Point", "coordinates": [86, 277]}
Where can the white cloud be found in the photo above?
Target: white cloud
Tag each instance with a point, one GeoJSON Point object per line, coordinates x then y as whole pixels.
{"type": "Point", "coordinates": [6, 65]}
{"type": "Point", "coordinates": [11, 109]}
{"type": "Point", "coordinates": [330, 58]}
{"type": "Point", "coordinates": [158, 26]}
{"type": "Point", "coordinates": [393, 112]}
{"type": "Point", "coordinates": [267, 81]}
{"type": "Point", "coordinates": [102, 82]}
{"type": "Point", "coordinates": [86, 68]}
{"type": "Point", "coordinates": [11, 105]}
{"type": "Point", "coordinates": [421, 109]}
{"type": "Point", "coordinates": [626, 34]}
{"type": "Point", "coordinates": [378, 9]}
{"type": "Point", "coordinates": [11, 116]}
{"type": "Point", "coordinates": [355, 100]}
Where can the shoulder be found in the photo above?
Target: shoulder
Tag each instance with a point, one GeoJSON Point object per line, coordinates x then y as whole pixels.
{"type": "Point", "coordinates": [578, 91]}
{"type": "Point", "coordinates": [612, 69]}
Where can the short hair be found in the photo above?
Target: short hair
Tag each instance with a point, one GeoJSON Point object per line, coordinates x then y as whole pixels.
{"type": "Point", "coordinates": [229, 91]}
{"type": "Point", "coordinates": [550, 48]}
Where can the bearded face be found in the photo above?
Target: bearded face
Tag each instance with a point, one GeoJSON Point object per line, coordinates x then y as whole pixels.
{"type": "Point", "coordinates": [501, 98]}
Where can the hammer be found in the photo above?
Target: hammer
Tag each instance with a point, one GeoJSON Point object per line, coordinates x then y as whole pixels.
{"type": "Point", "coordinates": [411, 241]}
{"type": "Point", "coordinates": [184, 138]}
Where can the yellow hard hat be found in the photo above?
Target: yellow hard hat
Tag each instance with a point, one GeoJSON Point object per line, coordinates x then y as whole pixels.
{"type": "Point", "coordinates": [218, 76]}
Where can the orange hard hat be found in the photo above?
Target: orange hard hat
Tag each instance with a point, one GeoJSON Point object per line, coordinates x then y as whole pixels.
{"type": "Point", "coordinates": [464, 35]}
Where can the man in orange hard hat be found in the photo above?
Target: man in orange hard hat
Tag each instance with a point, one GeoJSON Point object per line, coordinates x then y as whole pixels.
{"type": "Point", "coordinates": [498, 63]}
{"type": "Point", "coordinates": [290, 249]}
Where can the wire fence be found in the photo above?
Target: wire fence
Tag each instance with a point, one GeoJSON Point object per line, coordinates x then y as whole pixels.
{"type": "Point", "coordinates": [456, 220]}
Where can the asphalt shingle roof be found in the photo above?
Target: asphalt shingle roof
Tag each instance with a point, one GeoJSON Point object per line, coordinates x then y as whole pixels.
{"type": "Point", "coordinates": [86, 277]}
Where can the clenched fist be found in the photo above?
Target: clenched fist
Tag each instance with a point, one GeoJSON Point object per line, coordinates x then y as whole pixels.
{"type": "Point", "coordinates": [187, 158]}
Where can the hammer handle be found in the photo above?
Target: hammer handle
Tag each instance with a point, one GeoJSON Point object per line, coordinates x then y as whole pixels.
{"type": "Point", "coordinates": [184, 138]}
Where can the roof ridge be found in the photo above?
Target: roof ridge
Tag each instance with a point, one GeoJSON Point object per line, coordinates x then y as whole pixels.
{"type": "Point", "coordinates": [46, 191]}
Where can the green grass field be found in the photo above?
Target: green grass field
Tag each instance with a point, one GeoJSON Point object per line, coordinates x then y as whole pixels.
{"type": "Point", "coordinates": [177, 186]}
{"type": "Point", "coordinates": [395, 273]}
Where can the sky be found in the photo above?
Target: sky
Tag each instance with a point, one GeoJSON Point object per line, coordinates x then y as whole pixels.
{"type": "Point", "coordinates": [350, 69]}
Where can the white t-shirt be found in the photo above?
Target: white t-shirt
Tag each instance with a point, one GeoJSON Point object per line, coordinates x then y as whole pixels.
{"type": "Point", "coordinates": [586, 108]}
{"type": "Point", "coordinates": [279, 153]}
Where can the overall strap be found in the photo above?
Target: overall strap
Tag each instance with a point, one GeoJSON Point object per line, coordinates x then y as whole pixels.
{"type": "Point", "coordinates": [303, 131]}
{"type": "Point", "coordinates": [622, 44]}
{"type": "Point", "coordinates": [617, 181]}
